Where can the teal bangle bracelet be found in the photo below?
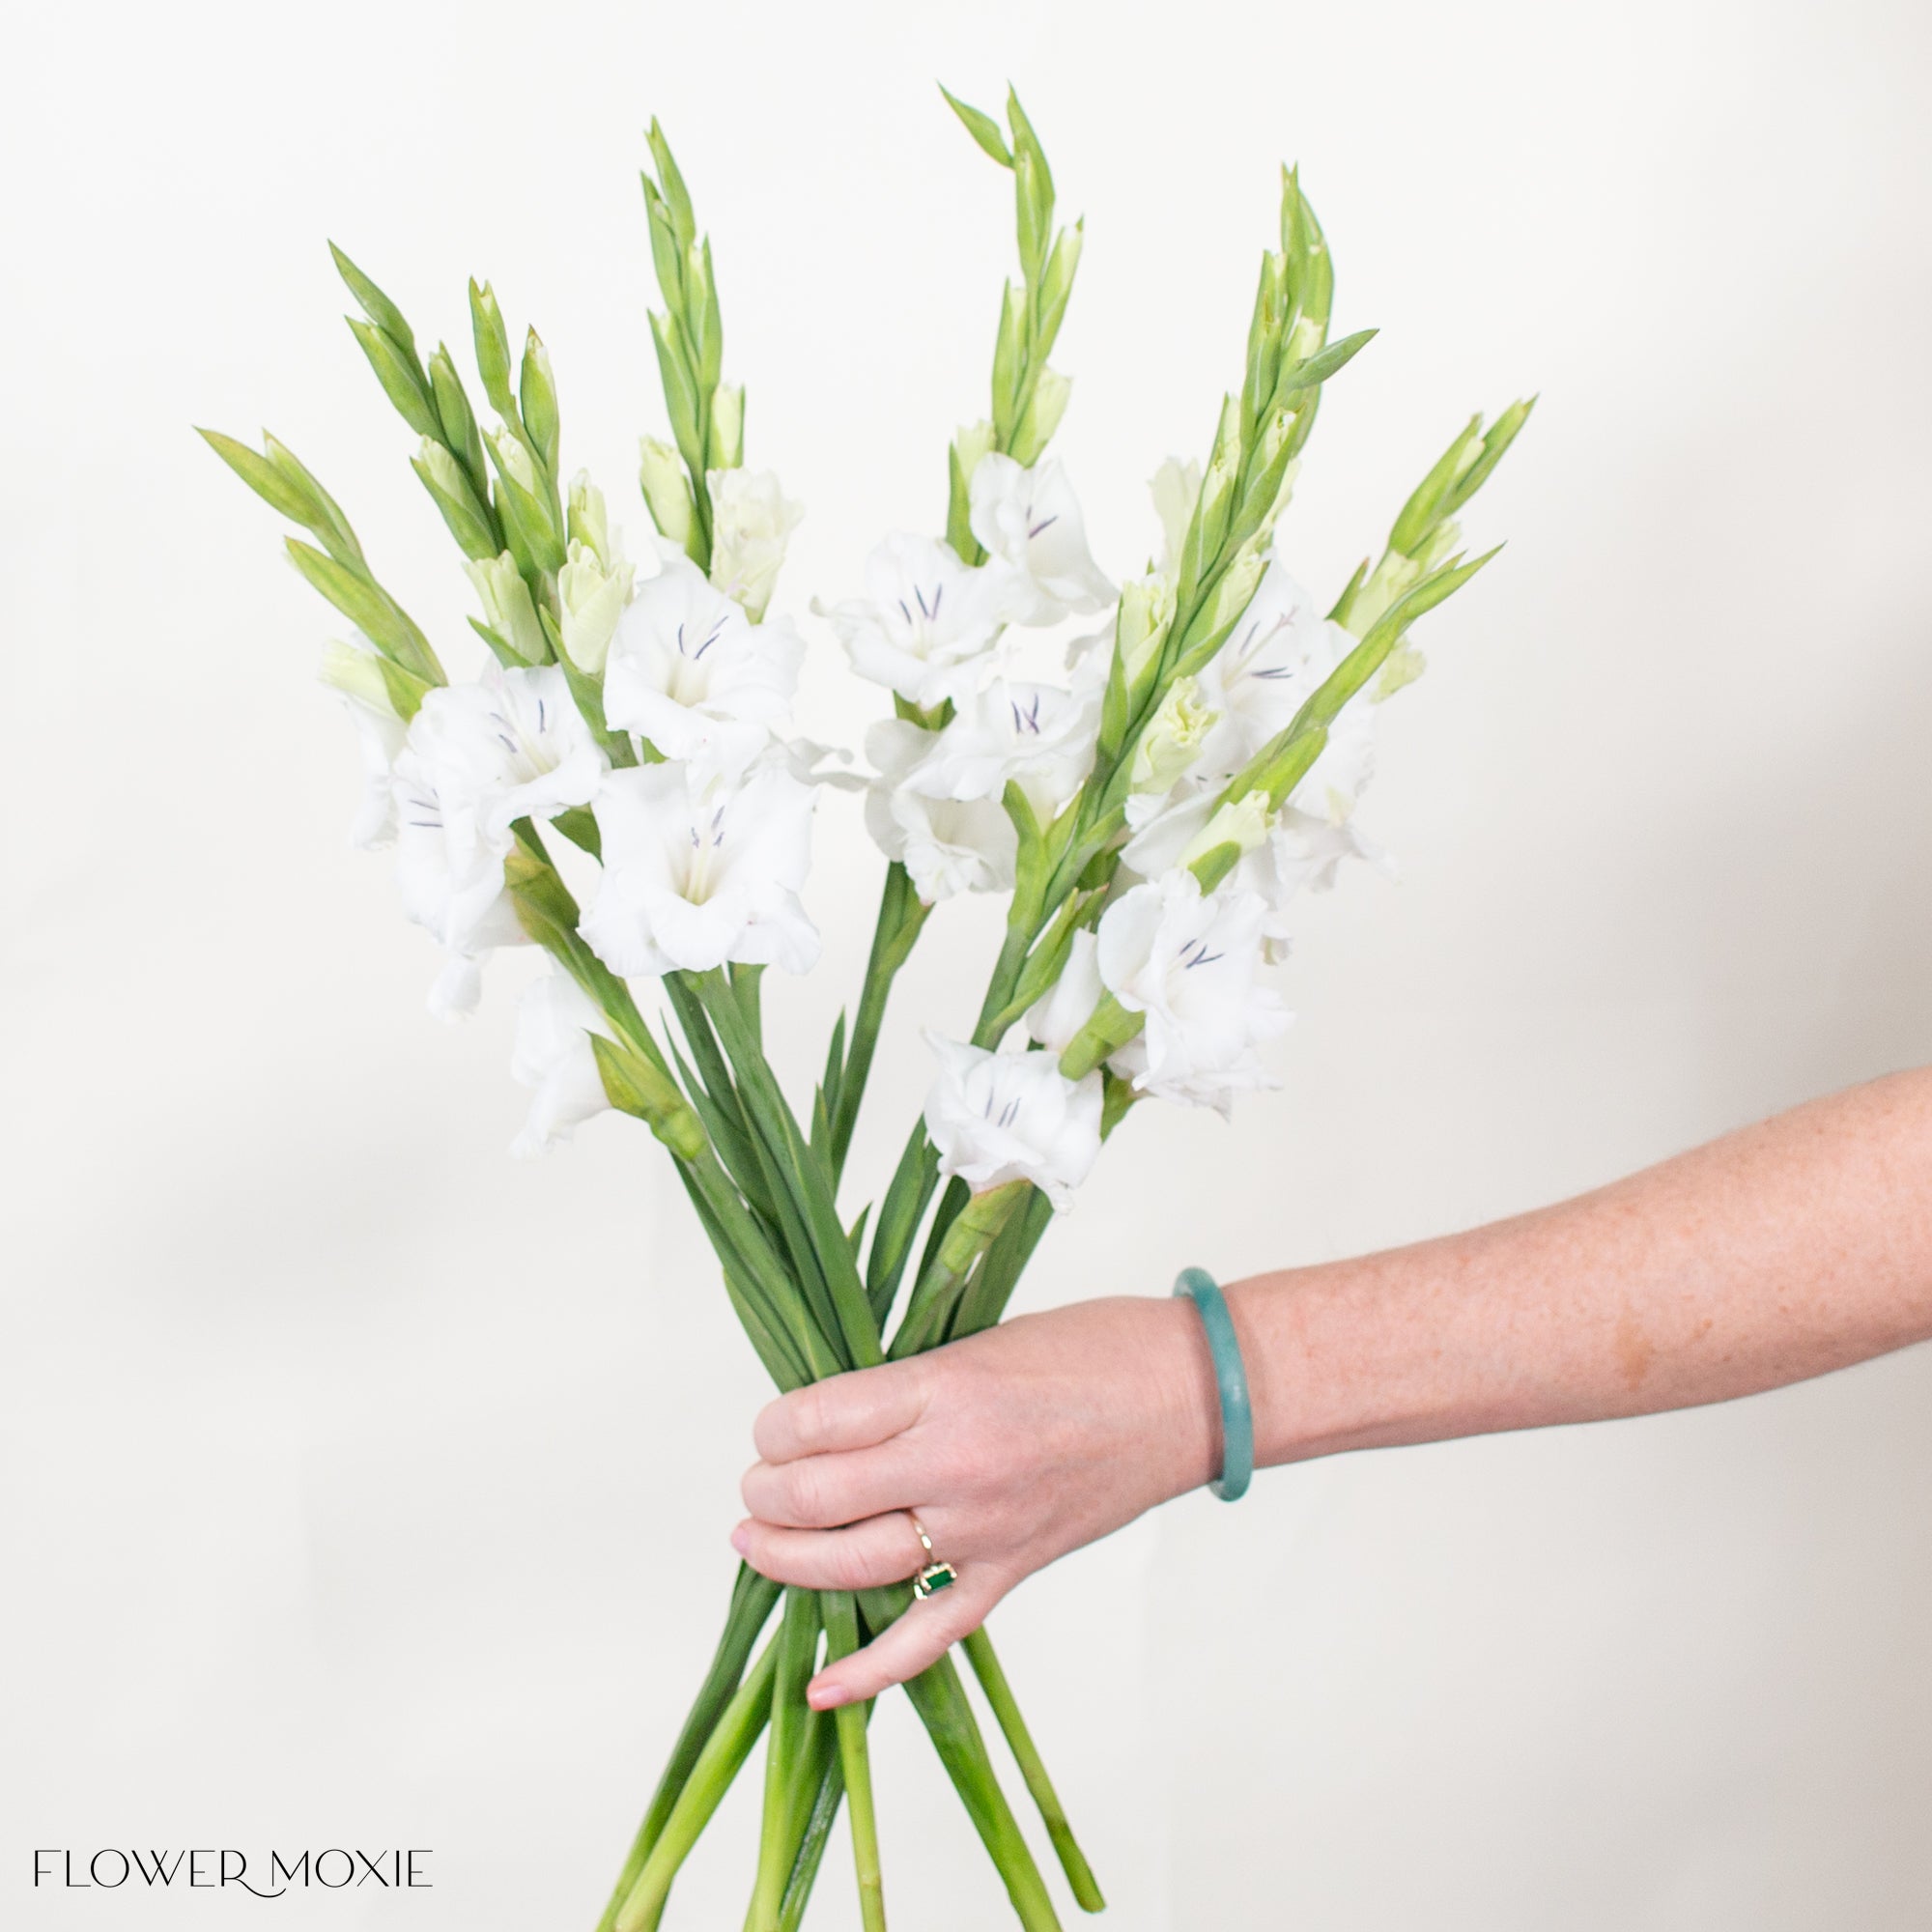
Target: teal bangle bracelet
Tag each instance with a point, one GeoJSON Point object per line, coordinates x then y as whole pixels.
{"type": "Point", "coordinates": [1230, 1377]}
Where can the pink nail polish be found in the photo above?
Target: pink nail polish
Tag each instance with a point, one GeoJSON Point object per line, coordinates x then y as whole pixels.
{"type": "Point", "coordinates": [741, 1538]}
{"type": "Point", "coordinates": [824, 1696]}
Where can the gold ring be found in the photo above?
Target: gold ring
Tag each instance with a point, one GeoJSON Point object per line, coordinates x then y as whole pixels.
{"type": "Point", "coordinates": [935, 1576]}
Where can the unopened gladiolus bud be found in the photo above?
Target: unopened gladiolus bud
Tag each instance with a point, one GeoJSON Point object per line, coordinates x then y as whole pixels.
{"type": "Point", "coordinates": [974, 441]}
{"type": "Point", "coordinates": [357, 674]}
{"type": "Point", "coordinates": [589, 522]}
{"type": "Point", "coordinates": [1396, 574]}
{"type": "Point", "coordinates": [516, 460]}
{"type": "Point", "coordinates": [751, 520]}
{"type": "Point", "coordinates": [1175, 489]}
{"type": "Point", "coordinates": [453, 410]}
{"type": "Point", "coordinates": [507, 608]}
{"type": "Point", "coordinates": [1042, 415]}
{"type": "Point", "coordinates": [449, 484]}
{"type": "Point", "coordinates": [727, 427]}
{"type": "Point", "coordinates": [1303, 340]}
{"type": "Point", "coordinates": [1173, 739]}
{"type": "Point", "coordinates": [1147, 610]}
{"type": "Point", "coordinates": [444, 472]}
{"type": "Point", "coordinates": [1284, 492]}
{"type": "Point", "coordinates": [1242, 825]}
{"type": "Point", "coordinates": [593, 598]}
{"type": "Point", "coordinates": [666, 491]}
{"type": "Point", "coordinates": [1236, 587]}
{"type": "Point", "coordinates": [493, 346]}
{"type": "Point", "coordinates": [539, 397]}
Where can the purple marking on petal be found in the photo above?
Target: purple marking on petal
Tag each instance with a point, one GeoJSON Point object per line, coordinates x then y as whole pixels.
{"type": "Point", "coordinates": [1045, 525]}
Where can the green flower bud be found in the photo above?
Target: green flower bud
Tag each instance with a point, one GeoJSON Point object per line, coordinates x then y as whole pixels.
{"type": "Point", "coordinates": [1042, 416]}
{"type": "Point", "coordinates": [401, 379]}
{"type": "Point", "coordinates": [453, 410]}
{"type": "Point", "coordinates": [1395, 575]}
{"type": "Point", "coordinates": [449, 484]}
{"type": "Point", "coordinates": [589, 521]}
{"type": "Point", "coordinates": [514, 459]}
{"type": "Point", "coordinates": [1304, 339]}
{"type": "Point", "coordinates": [1236, 588]}
{"type": "Point", "coordinates": [492, 346]}
{"type": "Point", "coordinates": [667, 489]}
{"type": "Point", "coordinates": [593, 598]}
{"type": "Point", "coordinates": [1243, 825]}
{"type": "Point", "coordinates": [1173, 739]}
{"type": "Point", "coordinates": [356, 673]}
{"type": "Point", "coordinates": [974, 441]}
{"type": "Point", "coordinates": [538, 389]}
{"type": "Point", "coordinates": [1147, 610]}
{"type": "Point", "coordinates": [507, 608]}
{"type": "Point", "coordinates": [728, 426]}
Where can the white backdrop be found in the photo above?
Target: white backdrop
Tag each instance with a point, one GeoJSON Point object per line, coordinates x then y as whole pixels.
{"type": "Point", "coordinates": [363, 1486]}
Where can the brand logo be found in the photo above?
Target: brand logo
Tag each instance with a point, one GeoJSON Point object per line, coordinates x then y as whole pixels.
{"type": "Point", "coordinates": [334, 1870]}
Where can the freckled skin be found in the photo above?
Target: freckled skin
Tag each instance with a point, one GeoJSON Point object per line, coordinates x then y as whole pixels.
{"type": "Point", "coordinates": [1781, 1252]}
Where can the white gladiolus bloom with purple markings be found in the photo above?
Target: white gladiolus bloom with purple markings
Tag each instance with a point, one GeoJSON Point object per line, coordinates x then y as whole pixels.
{"type": "Point", "coordinates": [702, 871]}
{"type": "Point", "coordinates": [996, 1118]}
{"type": "Point", "coordinates": [690, 674]}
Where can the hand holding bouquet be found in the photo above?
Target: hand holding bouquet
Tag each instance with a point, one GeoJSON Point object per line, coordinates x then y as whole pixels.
{"type": "Point", "coordinates": [1150, 771]}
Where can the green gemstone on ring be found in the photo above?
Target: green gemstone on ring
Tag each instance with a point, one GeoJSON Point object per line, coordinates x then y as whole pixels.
{"type": "Point", "coordinates": [934, 1576]}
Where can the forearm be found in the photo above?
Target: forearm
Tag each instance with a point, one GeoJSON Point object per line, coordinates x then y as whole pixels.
{"type": "Point", "coordinates": [1778, 1253]}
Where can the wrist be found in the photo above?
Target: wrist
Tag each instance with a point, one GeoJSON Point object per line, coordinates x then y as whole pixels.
{"type": "Point", "coordinates": [1189, 1402]}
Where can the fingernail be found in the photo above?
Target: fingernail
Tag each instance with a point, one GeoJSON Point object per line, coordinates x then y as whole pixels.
{"type": "Point", "coordinates": [741, 1538]}
{"type": "Point", "coordinates": [824, 1696]}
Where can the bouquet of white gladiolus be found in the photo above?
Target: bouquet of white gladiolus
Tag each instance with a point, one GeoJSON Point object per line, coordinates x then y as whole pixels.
{"type": "Point", "coordinates": [1151, 814]}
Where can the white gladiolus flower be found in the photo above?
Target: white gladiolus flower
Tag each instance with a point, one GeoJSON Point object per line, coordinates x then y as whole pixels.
{"type": "Point", "coordinates": [689, 671]}
{"type": "Point", "coordinates": [1030, 520]}
{"type": "Point", "coordinates": [1059, 1016]}
{"type": "Point", "coordinates": [925, 625]}
{"type": "Point", "coordinates": [750, 523]}
{"type": "Point", "coordinates": [452, 883]}
{"type": "Point", "coordinates": [1301, 850]}
{"type": "Point", "coordinates": [1037, 733]}
{"type": "Point", "coordinates": [356, 669]}
{"type": "Point", "coordinates": [511, 746]}
{"type": "Point", "coordinates": [555, 1018]}
{"type": "Point", "coordinates": [947, 845]}
{"type": "Point", "coordinates": [477, 758]}
{"type": "Point", "coordinates": [379, 735]}
{"type": "Point", "coordinates": [1001, 1117]}
{"type": "Point", "coordinates": [700, 869]}
{"type": "Point", "coordinates": [1274, 661]}
{"type": "Point", "coordinates": [1188, 962]}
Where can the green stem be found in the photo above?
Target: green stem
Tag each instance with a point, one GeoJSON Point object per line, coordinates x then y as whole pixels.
{"type": "Point", "coordinates": [940, 1699]}
{"type": "Point", "coordinates": [791, 1715]}
{"type": "Point", "coordinates": [980, 1653]}
{"type": "Point", "coordinates": [974, 1230]}
{"type": "Point", "coordinates": [720, 1761]}
{"type": "Point", "coordinates": [811, 1845]}
{"type": "Point", "coordinates": [752, 1597]}
{"type": "Point", "coordinates": [841, 1632]}
{"type": "Point", "coordinates": [902, 918]}
{"type": "Point", "coordinates": [983, 1299]}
